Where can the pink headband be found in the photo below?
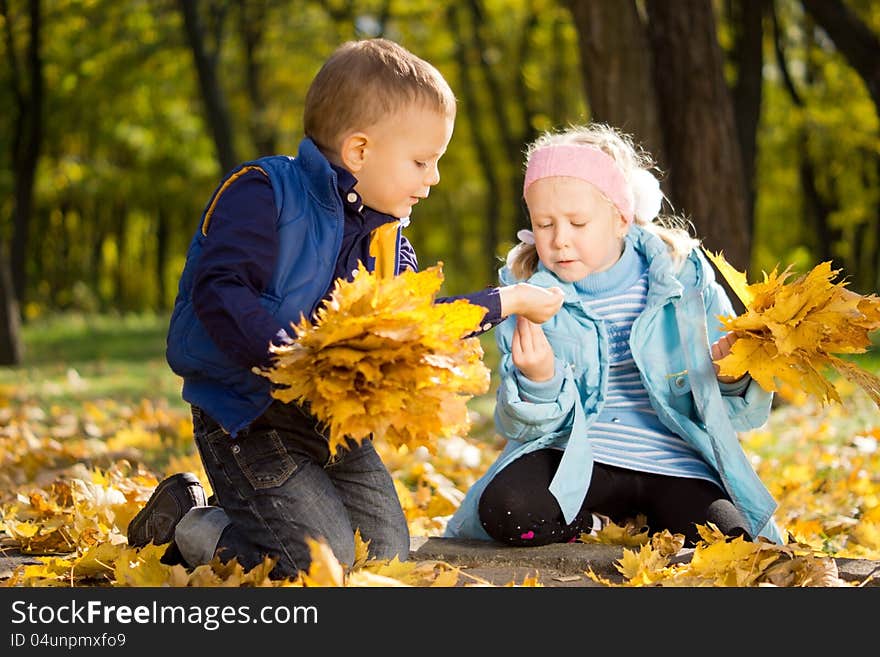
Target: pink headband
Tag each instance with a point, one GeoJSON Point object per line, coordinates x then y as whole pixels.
{"type": "Point", "coordinates": [587, 163]}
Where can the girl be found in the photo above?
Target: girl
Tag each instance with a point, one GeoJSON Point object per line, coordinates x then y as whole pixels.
{"type": "Point", "coordinates": [613, 407]}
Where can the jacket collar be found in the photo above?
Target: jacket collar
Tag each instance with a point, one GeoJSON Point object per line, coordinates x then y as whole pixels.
{"type": "Point", "coordinates": [321, 176]}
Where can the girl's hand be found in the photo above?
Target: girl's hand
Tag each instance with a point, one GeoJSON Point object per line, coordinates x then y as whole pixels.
{"type": "Point", "coordinates": [537, 304]}
{"type": "Point", "coordinates": [720, 348]}
{"type": "Point", "coordinates": [531, 351]}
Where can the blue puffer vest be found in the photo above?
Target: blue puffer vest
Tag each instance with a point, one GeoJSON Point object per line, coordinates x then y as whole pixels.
{"type": "Point", "coordinates": [309, 228]}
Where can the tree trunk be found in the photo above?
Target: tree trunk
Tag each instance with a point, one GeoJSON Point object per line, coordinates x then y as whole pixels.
{"type": "Point", "coordinates": [525, 99]}
{"type": "Point", "coordinates": [703, 161]}
{"type": "Point", "coordinates": [868, 249]}
{"type": "Point", "coordinates": [251, 26]}
{"type": "Point", "coordinates": [27, 140]}
{"type": "Point", "coordinates": [478, 136]}
{"type": "Point", "coordinates": [616, 69]}
{"type": "Point", "coordinates": [747, 19]}
{"type": "Point", "coordinates": [856, 42]}
{"type": "Point", "coordinates": [817, 206]}
{"type": "Point", "coordinates": [11, 348]}
{"type": "Point", "coordinates": [212, 94]}
{"type": "Point", "coordinates": [861, 49]}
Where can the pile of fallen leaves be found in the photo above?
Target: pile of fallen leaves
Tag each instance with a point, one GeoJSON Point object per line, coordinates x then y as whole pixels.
{"type": "Point", "coordinates": [382, 359]}
{"type": "Point", "coordinates": [791, 331]}
{"type": "Point", "coordinates": [716, 561]}
{"type": "Point", "coordinates": [71, 482]}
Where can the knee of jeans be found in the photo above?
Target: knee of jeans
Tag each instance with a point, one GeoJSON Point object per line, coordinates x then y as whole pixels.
{"type": "Point", "coordinates": [285, 569]}
{"type": "Point", "coordinates": [394, 542]}
{"type": "Point", "coordinates": [300, 558]}
{"type": "Point", "coordinates": [344, 552]}
{"type": "Point", "coordinates": [198, 533]}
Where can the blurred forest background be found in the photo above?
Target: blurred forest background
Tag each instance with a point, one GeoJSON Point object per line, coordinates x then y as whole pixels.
{"type": "Point", "coordinates": [118, 118]}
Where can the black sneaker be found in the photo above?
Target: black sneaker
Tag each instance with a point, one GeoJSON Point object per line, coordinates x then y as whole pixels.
{"type": "Point", "coordinates": [170, 501]}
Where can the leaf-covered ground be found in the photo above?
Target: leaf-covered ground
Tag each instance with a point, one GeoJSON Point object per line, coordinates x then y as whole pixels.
{"type": "Point", "coordinates": [72, 477]}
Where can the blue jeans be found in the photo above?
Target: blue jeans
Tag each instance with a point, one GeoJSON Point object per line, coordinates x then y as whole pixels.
{"type": "Point", "coordinates": [278, 486]}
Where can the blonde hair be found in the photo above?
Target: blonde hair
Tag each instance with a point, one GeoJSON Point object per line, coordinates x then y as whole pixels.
{"type": "Point", "coordinates": [363, 82]}
{"type": "Point", "coordinates": [522, 259]}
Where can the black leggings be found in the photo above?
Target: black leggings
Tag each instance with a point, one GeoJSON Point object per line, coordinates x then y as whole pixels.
{"type": "Point", "coordinates": [517, 507]}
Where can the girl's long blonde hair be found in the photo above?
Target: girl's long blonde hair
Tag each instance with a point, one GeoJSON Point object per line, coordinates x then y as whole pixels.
{"type": "Point", "coordinates": [522, 259]}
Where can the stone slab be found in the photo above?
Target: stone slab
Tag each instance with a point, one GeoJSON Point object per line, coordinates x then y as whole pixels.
{"type": "Point", "coordinates": [557, 564]}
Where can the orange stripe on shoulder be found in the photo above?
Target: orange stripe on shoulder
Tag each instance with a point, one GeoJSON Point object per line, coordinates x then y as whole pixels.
{"type": "Point", "coordinates": [235, 176]}
{"type": "Point", "coordinates": [383, 247]}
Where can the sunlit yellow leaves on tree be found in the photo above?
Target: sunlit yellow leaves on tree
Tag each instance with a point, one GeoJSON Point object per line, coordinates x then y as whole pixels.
{"type": "Point", "coordinates": [383, 359]}
{"type": "Point", "coordinates": [792, 330]}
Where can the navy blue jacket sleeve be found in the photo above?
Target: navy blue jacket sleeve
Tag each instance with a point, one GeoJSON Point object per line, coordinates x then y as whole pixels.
{"type": "Point", "coordinates": [489, 298]}
{"type": "Point", "coordinates": [237, 261]}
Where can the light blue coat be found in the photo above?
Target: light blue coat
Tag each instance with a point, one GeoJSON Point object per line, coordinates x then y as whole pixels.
{"type": "Point", "coordinates": [670, 343]}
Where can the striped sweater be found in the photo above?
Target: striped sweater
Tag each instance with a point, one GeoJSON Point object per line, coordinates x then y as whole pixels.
{"type": "Point", "coordinates": [627, 433]}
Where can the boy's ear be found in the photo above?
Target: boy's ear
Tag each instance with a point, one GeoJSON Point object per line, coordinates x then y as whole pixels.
{"type": "Point", "coordinates": [354, 151]}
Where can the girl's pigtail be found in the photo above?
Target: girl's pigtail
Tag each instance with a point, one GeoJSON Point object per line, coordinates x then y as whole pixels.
{"type": "Point", "coordinates": [522, 259]}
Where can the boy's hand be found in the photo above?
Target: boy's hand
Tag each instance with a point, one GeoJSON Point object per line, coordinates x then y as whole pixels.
{"type": "Point", "coordinates": [720, 348]}
{"type": "Point", "coordinates": [531, 351]}
{"type": "Point", "coordinates": [537, 304]}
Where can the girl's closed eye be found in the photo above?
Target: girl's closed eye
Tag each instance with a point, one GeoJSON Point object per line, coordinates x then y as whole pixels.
{"type": "Point", "coordinates": [421, 165]}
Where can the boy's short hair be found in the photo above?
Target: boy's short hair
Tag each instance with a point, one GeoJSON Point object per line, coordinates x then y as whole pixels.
{"type": "Point", "coordinates": [365, 81]}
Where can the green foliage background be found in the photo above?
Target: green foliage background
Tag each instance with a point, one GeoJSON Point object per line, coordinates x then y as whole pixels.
{"type": "Point", "coordinates": [127, 149]}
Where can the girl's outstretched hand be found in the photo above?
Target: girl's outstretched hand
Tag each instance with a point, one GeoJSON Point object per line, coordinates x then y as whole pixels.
{"type": "Point", "coordinates": [531, 352]}
{"type": "Point", "coordinates": [720, 348]}
{"type": "Point", "coordinates": [532, 302]}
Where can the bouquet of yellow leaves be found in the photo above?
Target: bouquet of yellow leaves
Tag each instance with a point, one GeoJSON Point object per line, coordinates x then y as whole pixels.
{"type": "Point", "coordinates": [790, 331]}
{"type": "Point", "coordinates": [383, 359]}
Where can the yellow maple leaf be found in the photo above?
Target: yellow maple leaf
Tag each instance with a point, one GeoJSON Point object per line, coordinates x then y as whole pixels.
{"type": "Point", "coordinates": [447, 577]}
{"type": "Point", "coordinates": [531, 581]}
{"type": "Point", "coordinates": [736, 279]}
{"type": "Point", "coordinates": [642, 568]}
{"type": "Point", "coordinates": [97, 561]}
{"type": "Point", "coordinates": [667, 543]}
{"type": "Point", "coordinates": [383, 359]}
{"type": "Point", "coordinates": [809, 570]}
{"type": "Point", "coordinates": [791, 330]}
{"type": "Point", "coordinates": [634, 532]}
{"type": "Point", "coordinates": [324, 569]}
{"type": "Point", "coordinates": [365, 578]}
{"type": "Point", "coordinates": [142, 567]}
{"type": "Point", "coordinates": [722, 560]}
{"type": "Point", "coordinates": [361, 550]}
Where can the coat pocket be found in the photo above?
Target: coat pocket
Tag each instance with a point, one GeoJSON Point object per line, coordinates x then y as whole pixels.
{"type": "Point", "coordinates": [679, 384]}
{"type": "Point", "coordinates": [680, 397]}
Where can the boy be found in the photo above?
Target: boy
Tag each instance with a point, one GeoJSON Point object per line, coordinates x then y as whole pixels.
{"type": "Point", "coordinates": [274, 237]}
